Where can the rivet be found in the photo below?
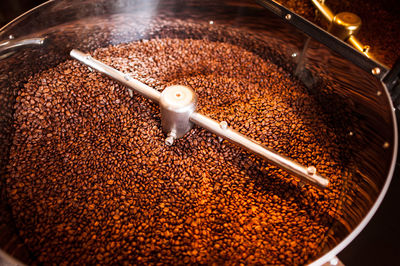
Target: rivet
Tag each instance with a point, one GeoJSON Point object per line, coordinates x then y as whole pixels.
{"type": "Point", "coordinates": [11, 37]}
{"type": "Point", "coordinates": [311, 170]}
{"type": "Point", "coordinates": [386, 145]}
{"type": "Point", "coordinates": [376, 71]}
{"type": "Point", "coordinates": [334, 261]}
{"type": "Point", "coordinates": [288, 16]}
{"type": "Point", "coordinates": [366, 48]}
{"type": "Point", "coordinates": [223, 124]}
{"type": "Point", "coordinates": [294, 55]}
{"type": "Point", "coordinates": [379, 93]}
{"type": "Point", "coordinates": [211, 22]}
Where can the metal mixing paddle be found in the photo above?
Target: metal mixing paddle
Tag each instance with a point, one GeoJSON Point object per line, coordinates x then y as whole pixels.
{"type": "Point", "coordinates": [178, 114]}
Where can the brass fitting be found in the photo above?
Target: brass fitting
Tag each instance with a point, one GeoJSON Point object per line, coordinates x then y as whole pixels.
{"type": "Point", "coordinates": [344, 25]}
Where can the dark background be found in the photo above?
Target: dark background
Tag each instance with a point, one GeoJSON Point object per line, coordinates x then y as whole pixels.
{"type": "Point", "coordinates": [379, 243]}
{"type": "Point", "coordinates": [10, 9]}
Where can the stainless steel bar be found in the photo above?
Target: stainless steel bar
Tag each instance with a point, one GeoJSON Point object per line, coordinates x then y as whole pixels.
{"type": "Point", "coordinates": [125, 79]}
{"type": "Point", "coordinates": [307, 174]}
{"type": "Point", "coordinates": [10, 46]}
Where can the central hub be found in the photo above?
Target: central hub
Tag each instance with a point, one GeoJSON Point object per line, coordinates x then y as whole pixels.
{"type": "Point", "coordinates": [177, 103]}
{"type": "Point", "coordinates": [344, 25]}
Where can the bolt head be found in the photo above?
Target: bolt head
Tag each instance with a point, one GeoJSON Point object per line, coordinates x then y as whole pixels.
{"type": "Point", "coordinates": [311, 170]}
{"type": "Point", "coordinates": [334, 261]}
{"type": "Point", "coordinates": [386, 145]}
{"type": "Point", "coordinates": [376, 71]}
{"type": "Point", "coordinates": [169, 140]}
{"type": "Point", "coordinates": [223, 124]}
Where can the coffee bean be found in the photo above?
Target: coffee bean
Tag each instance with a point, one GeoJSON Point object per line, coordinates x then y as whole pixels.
{"type": "Point", "coordinates": [91, 180]}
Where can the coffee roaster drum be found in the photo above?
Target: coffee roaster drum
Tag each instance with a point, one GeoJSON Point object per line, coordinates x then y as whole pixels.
{"type": "Point", "coordinates": [44, 36]}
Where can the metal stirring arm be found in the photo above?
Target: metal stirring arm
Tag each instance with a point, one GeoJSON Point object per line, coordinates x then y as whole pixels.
{"type": "Point", "coordinates": [8, 47]}
{"type": "Point", "coordinates": [308, 174]}
{"type": "Point", "coordinates": [178, 104]}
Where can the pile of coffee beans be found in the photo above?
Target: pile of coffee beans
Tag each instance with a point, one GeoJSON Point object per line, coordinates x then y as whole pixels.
{"type": "Point", "coordinates": [91, 180]}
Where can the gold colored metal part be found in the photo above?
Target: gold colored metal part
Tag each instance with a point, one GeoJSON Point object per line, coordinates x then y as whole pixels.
{"type": "Point", "coordinates": [359, 46]}
{"type": "Point", "coordinates": [343, 25]}
{"type": "Point", "coordinates": [325, 11]}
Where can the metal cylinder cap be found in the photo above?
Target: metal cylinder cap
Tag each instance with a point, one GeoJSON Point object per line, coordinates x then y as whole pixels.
{"type": "Point", "coordinates": [345, 24]}
{"type": "Point", "coordinates": [178, 98]}
{"type": "Point", "coordinates": [177, 103]}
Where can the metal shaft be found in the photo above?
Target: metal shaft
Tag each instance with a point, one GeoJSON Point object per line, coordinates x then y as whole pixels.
{"type": "Point", "coordinates": [125, 79]}
{"type": "Point", "coordinates": [307, 174]}
{"type": "Point", "coordinates": [8, 47]}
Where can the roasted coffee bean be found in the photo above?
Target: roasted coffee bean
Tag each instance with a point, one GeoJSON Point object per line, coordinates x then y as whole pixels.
{"type": "Point", "coordinates": [92, 182]}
